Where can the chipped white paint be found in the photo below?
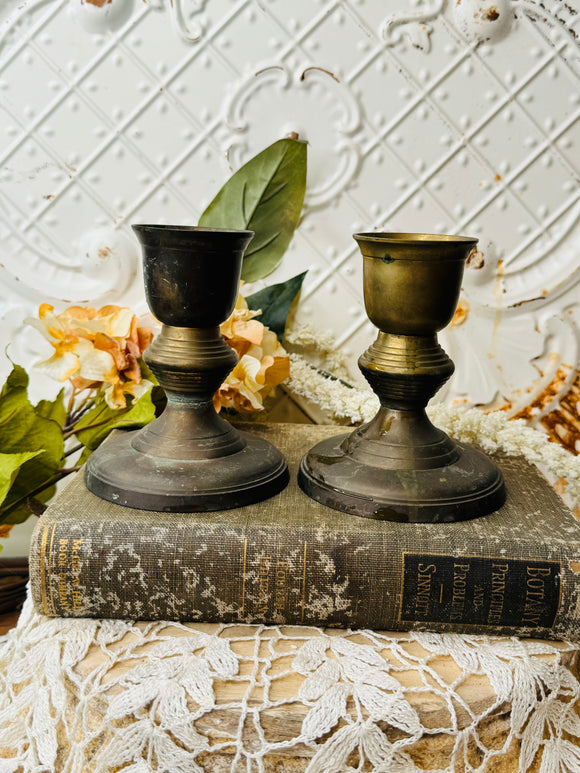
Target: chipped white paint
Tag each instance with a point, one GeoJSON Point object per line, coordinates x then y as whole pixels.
{"type": "Point", "coordinates": [419, 117]}
{"type": "Point", "coordinates": [482, 20]}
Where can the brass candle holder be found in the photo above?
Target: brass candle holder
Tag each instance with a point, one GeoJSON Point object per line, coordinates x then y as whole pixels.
{"type": "Point", "coordinates": [398, 466]}
{"type": "Point", "coordinates": [188, 459]}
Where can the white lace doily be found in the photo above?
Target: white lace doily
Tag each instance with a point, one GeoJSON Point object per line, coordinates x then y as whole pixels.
{"type": "Point", "coordinates": [104, 696]}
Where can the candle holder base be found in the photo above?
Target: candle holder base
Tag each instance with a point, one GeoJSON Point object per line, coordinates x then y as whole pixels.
{"type": "Point", "coordinates": [255, 472]}
{"type": "Point", "coordinates": [467, 488]}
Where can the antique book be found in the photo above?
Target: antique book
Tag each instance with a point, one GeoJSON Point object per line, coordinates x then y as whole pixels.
{"type": "Point", "coordinates": [290, 560]}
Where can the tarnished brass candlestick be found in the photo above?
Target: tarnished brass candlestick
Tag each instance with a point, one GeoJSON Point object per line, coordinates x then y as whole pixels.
{"type": "Point", "coordinates": [189, 459]}
{"type": "Point", "coordinates": [399, 467]}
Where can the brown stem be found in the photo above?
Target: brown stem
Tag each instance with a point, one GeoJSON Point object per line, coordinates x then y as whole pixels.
{"type": "Point", "coordinates": [70, 432]}
{"type": "Point", "coordinates": [71, 402]}
{"type": "Point", "coordinates": [79, 412]}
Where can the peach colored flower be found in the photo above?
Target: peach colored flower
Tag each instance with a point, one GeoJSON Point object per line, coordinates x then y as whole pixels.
{"type": "Point", "coordinates": [95, 349]}
{"type": "Point", "coordinates": [263, 362]}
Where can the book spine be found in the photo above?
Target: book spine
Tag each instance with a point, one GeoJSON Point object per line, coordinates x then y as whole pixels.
{"type": "Point", "coordinates": [294, 577]}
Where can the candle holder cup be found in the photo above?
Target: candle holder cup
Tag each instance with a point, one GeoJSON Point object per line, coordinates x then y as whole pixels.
{"type": "Point", "coordinates": [398, 466]}
{"type": "Point", "coordinates": [189, 458]}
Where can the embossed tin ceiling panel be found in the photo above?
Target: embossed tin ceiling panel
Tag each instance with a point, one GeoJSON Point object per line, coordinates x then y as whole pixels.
{"type": "Point", "coordinates": [459, 117]}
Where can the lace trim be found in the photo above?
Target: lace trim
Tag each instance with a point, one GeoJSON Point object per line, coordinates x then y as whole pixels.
{"type": "Point", "coordinates": [110, 695]}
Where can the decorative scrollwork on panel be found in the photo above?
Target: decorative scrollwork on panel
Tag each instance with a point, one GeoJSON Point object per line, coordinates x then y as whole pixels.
{"type": "Point", "coordinates": [310, 103]}
{"type": "Point", "coordinates": [413, 25]}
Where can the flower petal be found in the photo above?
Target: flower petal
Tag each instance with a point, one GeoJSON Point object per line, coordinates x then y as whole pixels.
{"type": "Point", "coordinates": [118, 320]}
{"type": "Point", "coordinates": [95, 365]}
{"type": "Point", "coordinates": [273, 371]}
{"type": "Point", "coordinates": [59, 367]}
{"type": "Point", "coordinates": [107, 344]}
{"type": "Point", "coordinates": [250, 330]}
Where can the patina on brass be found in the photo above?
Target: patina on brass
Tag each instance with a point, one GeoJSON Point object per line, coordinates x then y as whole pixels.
{"type": "Point", "coordinates": [398, 466]}
{"type": "Point", "coordinates": [188, 459]}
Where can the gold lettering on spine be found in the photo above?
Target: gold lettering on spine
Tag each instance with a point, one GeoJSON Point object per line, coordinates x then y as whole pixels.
{"type": "Point", "coordinates": [303, 583]}
{"type": "Point", "coordinates": [535, 594]}
{"type": "Point", "coordinates": [423, 598]}
{"type": "Point", "coordinates": [244, 577]}
{"type": "Point", "coordinates": [44, 568]}
{"type": "Point", "coordinates": [62, 561]}
{"type": "Point", "coordinates": [460, 572]}
{"type": "Point", "coordinates": [49, 571]}
{"type": "Point", "coordinates": [497, 598]}
{"type": "Point", "coordinates": [264, 585]}
{"type": "Point", "coordinates": [75, 566]}
{"type": "Point", "coordinates": [280, 590]}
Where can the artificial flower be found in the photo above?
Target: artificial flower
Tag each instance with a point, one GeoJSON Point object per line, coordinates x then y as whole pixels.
{"type": "Point", "coordinates": [263, 363]}
{"type": "Point", "coordinates": [95, 349]}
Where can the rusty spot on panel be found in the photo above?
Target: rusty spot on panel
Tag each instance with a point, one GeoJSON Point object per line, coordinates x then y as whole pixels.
{"type": "Point", "coordinates": [527, 300]}
{"type": "Point", "coordinates": [5, 529]}
{"type": "Point", "coordinates": [99, 3]}
{"type": "Point", "coordinates": [475, 259]}
{"type": "Point", "coordinates": [546, 396]}
{"type": "Point", "coordinates": [563, 423]}
{"type": "Point", "coordinates": [574, 566]}
{"type": "Point", "coordinates": [321, 69]}
{"type": "Point", "coordinates": [104, 252]}
{"type": "Point", "coordinates": [461, 313]}
{"type": "Point", "coordinates": [492, 14]}
{"type": "Point", "coordinates": [497, 178]}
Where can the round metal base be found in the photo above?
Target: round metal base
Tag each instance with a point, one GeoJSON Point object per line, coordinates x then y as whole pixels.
{"type": "Point", "coordinates": [468, 488]}
{"type": "Point", "coordinates": [122, 474]}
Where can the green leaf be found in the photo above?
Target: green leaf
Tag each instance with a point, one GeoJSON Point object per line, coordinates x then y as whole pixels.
{"type": "Point", "coordinates": [264, 196]}
{"type": "Point", "coordinates": [24, 430]}
{"type": "Point", "coordinates": [95, 425]}
{"type": "Point", "coordinates": [146, 372]}
{"type": "Point", "coordinates": [17, 378]}
{"type": "Point", "coordinates": [157, 394]}
{"type": "Point", "coordinates": [53, 409]}
{"type": "Point", "coordinates": [275, 302]}
{"type": "Point", "coordinates": [10, 464]}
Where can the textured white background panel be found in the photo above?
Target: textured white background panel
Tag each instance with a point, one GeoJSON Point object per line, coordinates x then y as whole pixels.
{"type": "Point", "coordinates": [421, 115]}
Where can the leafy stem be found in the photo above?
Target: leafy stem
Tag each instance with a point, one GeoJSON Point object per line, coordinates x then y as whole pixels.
{"type": "Point", "coordinates": [62, 473]}
{"type": "Point", "coordinates": [71, 429]}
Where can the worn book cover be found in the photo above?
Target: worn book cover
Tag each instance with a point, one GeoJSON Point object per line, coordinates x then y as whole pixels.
{"type": "Point", "coordinates": [291, 560]}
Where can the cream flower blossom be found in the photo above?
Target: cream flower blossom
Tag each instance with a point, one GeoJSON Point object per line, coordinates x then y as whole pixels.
{"type": "Point", "coordinates": [95, 349]}
{"type": "Point", "coordinates": [263, 362]}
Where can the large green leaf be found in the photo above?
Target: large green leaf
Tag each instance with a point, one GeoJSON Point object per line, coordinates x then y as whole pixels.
{"type": "Point", "coordinates": [275, 302]}
{"type": "Point", "coordinates": [264, 196]}
{"type": "Point", "coordinates": [10, 464]}
{"type": "Point", "coordinates": [95, 425]}
{"type": "Point", "coordinates": [23, 430]}
{"type": "Point", "coordinates": [53, 409]}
